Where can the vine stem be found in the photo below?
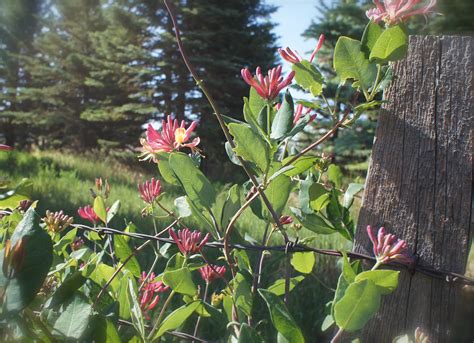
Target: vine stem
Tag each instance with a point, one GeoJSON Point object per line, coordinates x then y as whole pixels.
{"type": "Point", "coordinates": [161, 315]}
{"type": "Point", "coordinates": [199, 318]}
{"type": "Point", "coordinates": [337, 335]}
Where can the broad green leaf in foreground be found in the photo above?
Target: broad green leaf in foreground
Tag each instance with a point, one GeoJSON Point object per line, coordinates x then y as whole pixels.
{"type": "Point", "coordinates": [196, 185]}
{"type": "Point", "coordinates": [385, 280]}
{"type": "Point", "coordinates": [73, 322]}
{"type": "Point", "coordinates": [27, 281]}
{"type": "Point", "coordinates": [250, 146]}
{"type": "Point", "coordinates": [392, 45]}
{"type": "Point", "coordinates": [278, 287]}
{"type": "Point", "coordinates": [303, 261]}
{"type": "Point", "coordinates": [281, 318]}
{"type": "Point", "coordinates": [176, 318]}
{"type": "Point", "coordinates": [350, 63]}
{"type": "Point", "coordinates": [359, 303]}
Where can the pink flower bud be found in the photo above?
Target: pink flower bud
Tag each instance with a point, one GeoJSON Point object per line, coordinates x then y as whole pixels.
{"type": "Point", "coordinates": [211, 273]}
{"type": "Point", "coordinates": [270, 85]}
{"type": "Point", "coordinates": [388, 248]}
{"type": "Point", "coordinates": [188, 242]}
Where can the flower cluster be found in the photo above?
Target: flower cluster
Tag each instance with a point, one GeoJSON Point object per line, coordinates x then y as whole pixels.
{"type": "Point", "coordinates": [57, 221]}
{"type": "Point", "coordinates": [88, 213]}
{"type": "Point", "coordinates": [172, 137]}
{"type": "Point", "coordinates": [396, 11]}
{"type": "Point", "coordinates": [150, 190]}
{"type": "Point", "coordinates": [388, 248]}
{"type": "Point", "coordinates": [150, 293]}
{"type": "Point", "coordinates": [269, 86]}
{"type": "Point", "coordinates": [102, 187]}
{"type": "Point", "coordinates": [210, 273]}
{"type": "Point", "coordinates": [189, 242]}
{"type": "Point", "coordinates": [292, 56]}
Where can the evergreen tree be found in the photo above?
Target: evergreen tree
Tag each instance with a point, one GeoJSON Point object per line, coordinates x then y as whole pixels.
{"type": "Point", "coordinates": [18, 25]}
{"type": "Point", "coordinates": [88, 76]}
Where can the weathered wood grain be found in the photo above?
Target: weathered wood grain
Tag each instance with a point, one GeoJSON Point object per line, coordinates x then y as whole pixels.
{"type": "Point", "coordinates": [419, 183]}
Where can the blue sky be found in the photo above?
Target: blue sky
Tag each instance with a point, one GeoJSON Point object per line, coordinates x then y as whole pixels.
{"type": "Point", "coordinates": [294, 17]}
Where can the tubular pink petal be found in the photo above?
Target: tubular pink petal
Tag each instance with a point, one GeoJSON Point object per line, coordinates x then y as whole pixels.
{"type": "Point", "coordinates": [319, 45]}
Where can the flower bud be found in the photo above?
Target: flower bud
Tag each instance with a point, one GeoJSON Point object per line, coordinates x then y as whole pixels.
{"type": "Point", "coordinates": [57, 221]}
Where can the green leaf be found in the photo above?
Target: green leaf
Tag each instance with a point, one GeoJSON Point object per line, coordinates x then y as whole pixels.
{"type": "Point", "coordinates": [351, 63]}
{"type": "Point", "coordinates": [252, 119]}
{"type": "Point", "coordinates": [231, 154]}
{"type": "Point", "coordinates": [176, 318]}
{"type": "Point", "coordinates": [303, 262]}
{"type": "Point", "coordinates": [334, 174]}
{"type": "Point", "coordinates": [197, 187]}
{"type": "Point", "coordinates": [180, 281]}
{"type": "Point", "coordinates": [308, 77]}
{"type": "Point", "coordinates": [135, 310]}
{"type": "Point", "coordinates": [182, 207]}
{"type": "Point", "coordinates": [12, 198]}
{"type": "Point", "coordinates": [231, 205]}
{"type": "Point", "coordinates": [371, 33]}
{"type": "Point", "coordinates": [351, 191]}
{"type": "Point", "coordinates": [281, 318]}
{"type": "Point", "coordinates": [164, 168]}
{"type": "Point", "coordinates": [250, 146]}
{"type": "Point", "coordinates": [66, 290]}
{"type": "Point", "coordinates": [277, 192]}
{"type": "Point", "coordinates": [123, 297]}
{"type": "Point", "coordinates": [123, 251]}
{"type": "Point", "coordinates": [283, 121]}
{"type": "Point", "coordinates": [360, 302]}
{"type": "Point", "coordinates": [249, 334]}
{"type": "Point", "coordinates": [318, 197]}
{"type": "Point", "coordinates": [392, 45]}
{"type": "Point", "coordinates": [65, 241]}
{"type": "Point", "coordinates": [301, 165]}
{"type": "Point", "coordinates": [113, 210]}
{"type": "Point", "coordinates": [313, 222]}
{"type": "Point", "coordinates": [102, 273]}
{"type": "Point", "coordinates": [242, 294]}
{"type": "Point", "coordinates": [99, 208]}
{"type": "Point", "coordinates": [278, 287]}
{"type": "Point", "coordinates": [256, 103]}
{"type": "Point", "coordinates": [385, 280]}
{"type": "Point", "coordinates": [22, 289]}
{"type": "Point", "coordinates": [73, 322]}
{"type": "Point", "coordinates": [202, 221]}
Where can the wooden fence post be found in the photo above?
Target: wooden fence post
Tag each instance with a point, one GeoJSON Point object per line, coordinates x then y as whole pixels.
{"type": "Point", "coordinates": [419, 184]}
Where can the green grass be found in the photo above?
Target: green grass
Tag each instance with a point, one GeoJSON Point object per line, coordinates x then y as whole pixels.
{"type": "Point", "coordinates": [62, 181]}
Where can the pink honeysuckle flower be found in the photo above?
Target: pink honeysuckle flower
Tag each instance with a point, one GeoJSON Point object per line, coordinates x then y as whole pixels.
{"type": "Point", "coordinates": [388, 248]}
{"type": "Point", "coordinates": [299, 110]}
{"type": "Point", "coordinates": [172, 137]}
{"type": "Point", "coordinates": [269, 86]}
{"type": "Point", "coordinates": [77, 244]}
{"type": "Point", "coordinates": [292, 56]}
{"type": "Point", "coordinates": [211, 273]}
{"type": "Point", "coordinates": [4, 147]}
{"type": "Point", "coordinates": [285, 220]}
{"type": "Point", "coordinates": [150, 293]}
{"type": "Point", "coordinates": [150, 190]}
{"type": "Point", "coordinates": [88, 213]}
{"type": "Point", "coordinates": [188, 242]}
{"type": "Point", "coordinates": [396, 11]}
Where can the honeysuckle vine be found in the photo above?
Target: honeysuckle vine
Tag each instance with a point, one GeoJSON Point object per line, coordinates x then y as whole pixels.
{"type": "Point", "coordinates": [192, 266]}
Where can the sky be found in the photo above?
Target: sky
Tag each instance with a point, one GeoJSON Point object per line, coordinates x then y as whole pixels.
{"type": "Point", "coordinates": [294, 17]}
